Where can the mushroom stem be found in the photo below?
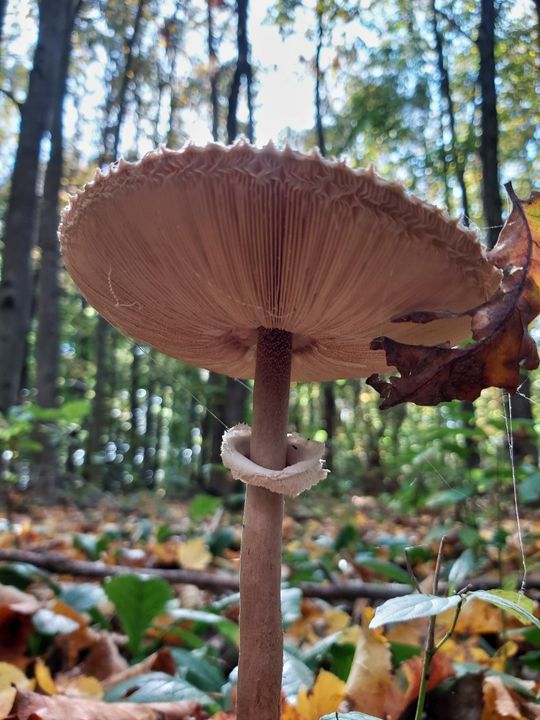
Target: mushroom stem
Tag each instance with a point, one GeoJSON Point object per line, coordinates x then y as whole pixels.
{"type": "Point", "coordinates": [260, 665]}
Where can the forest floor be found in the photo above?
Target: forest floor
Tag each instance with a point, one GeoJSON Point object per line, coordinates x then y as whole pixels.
{"type": "Point", "coordinates": [160, 639]}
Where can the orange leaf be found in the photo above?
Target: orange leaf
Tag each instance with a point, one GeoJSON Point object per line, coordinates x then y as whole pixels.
{"type": "Point", "coordinates": [440, 669]}
{"type": "Point", "coordinates": [430, 375]}
{"type": "Point", "coordinates": [324, 697]}
{"type": "Point", "coordinates": [499, 702]}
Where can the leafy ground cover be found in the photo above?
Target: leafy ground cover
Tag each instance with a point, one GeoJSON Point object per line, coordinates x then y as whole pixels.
{"type": "Point", "coordinates": [137, 646]}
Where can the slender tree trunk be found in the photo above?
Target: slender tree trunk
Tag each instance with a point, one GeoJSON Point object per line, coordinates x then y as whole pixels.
{"type": "Point", "coordinates": [459, 162]}
{"type": "Point", "coordinates": [489, 139]}
{"type": "Point", "coordinates": [242, 70]}
{"type": "Point", "coordinates": [473, 456]}
{"type": "Point", "coordinates": [3, 8]}
{"type": "Point", "coordinates": [537, 6]}
{"type": "Point", "coordinates": [110, 153]}
{"type": "Point", "coordinates": [213, 68]}
{"type": "Point", "coordinates": [48, 298]}
{"type": "Point", "coordinates": [21, 216]}
{"type": "Point", "coordinates": [318, 78]}
{"type": "Point", "coordinates": [328, 392]}
{"type": "Point", "coordinates": [525, 446]}
{"type": "Point", "coordinates": [233, 409]}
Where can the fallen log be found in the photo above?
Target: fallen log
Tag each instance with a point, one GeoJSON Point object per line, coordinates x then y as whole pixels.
{"type": "Point", "coordinates": [59, 564]}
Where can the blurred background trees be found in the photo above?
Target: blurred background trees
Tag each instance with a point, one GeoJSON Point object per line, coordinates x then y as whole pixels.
{"type": "Point", "coordinates": [442, 96]}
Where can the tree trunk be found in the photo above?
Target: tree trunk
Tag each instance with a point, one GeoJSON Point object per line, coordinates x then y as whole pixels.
{"type": "Point", "coordinates": [524, 446]}
{"type": "Point", "coordinates": [232, 404]}
{"type": "Point", "coordinates": [21, 215]}
{"type": "Point", "coordinates": [473, 456]}
{"type": "Point", "coordinates": [489, 139]}
{"type": "Point", "coordinates": [111, 144]}
{"type": "Point", "coordinates": [444, 77]}
{"type": "Point", "coordinates": [48, 299]}
{"type": "Point", "coordinates": [242, 70]}
{"type": "Point", "coordinates": [213, 68]}
{"type": "Point", "coordinates": [328, 394]}
{"type": "Point", "coordinates": [537, 6]}
{"type": "Point", "coordinates": [318, 77]}
{"type": "Point", "coordinates": [3, 8]}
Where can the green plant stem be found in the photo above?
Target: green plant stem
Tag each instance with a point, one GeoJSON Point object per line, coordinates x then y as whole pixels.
{"type": "Point", "coordinates": [429, 647]}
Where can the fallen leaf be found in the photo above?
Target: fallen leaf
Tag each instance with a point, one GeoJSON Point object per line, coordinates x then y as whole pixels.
{"type": "Point", "coordinates": [7, 697]}
{"type": "Point", "coordinates": [440, 669]}
{"type": "Point", "coordinates": [104, 659]}
{"type": "Point", "coordinates": [288, 712]}
{"type": "Point", "coordinates": [160, 661]}
{"type": "Point", "coordinates": [499, 702]}
{"type": "Point", "coordinates": [370, 686]}
{"type": "Point", "coordinates": [194, 555]}
{"type": "Point", "coordinates": [324, 697]}
{"type": "Point", "coordinates": [44, 678]}
{"type": "Point", "coordinates": [31, 706]}
{"type": "Point", "coordinates": [502, 344]}
{"type": "Point", "coordinates": [81, 687]}
{"type": "Point", "coordinates": [12, 675]}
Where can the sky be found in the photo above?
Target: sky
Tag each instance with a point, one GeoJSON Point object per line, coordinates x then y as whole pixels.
{"type": "Point", "coordinates": [284, 78]}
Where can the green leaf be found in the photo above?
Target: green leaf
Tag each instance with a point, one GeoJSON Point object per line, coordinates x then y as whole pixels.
{"type": "Point", "coordinates": [452, 496]}
{"type": "Point", "coordinates": [83, 597]}
{"type": "Point", "coordinates": [198, 669]}
{"type": "Point", "coordinates": [386, 569]}
{"type": "Point", "coordinates": [203, 506]}
{"type": "Point", "coordinates": [317, 652]}
{"type": "Point", "coordinates": [291, 600]}
{"type": "Point", "coordinates": [412, 606]}
{"type": "Point", "coordinates": [529, 488]}
{"type": "Point", "coordinates": [156, 687]}
{"type": "Point", "coordinates": [87, 544]}
{"type": "Point", "coordinates": [48, 622]}
{"type": "Point", "coordinates": [163, 533]}
{"type": "Point", "coordinates": [22, 575]}
{"type": "Point", "coordinates": [460, 569]}
{"type": "Point", "coordinates": [137, 601]}
{"type": "Point", "coordinates": [515, 603]}
{"type": "Point", "coordinates": [402, 652]}
{"type": "Point", "coordinates": [296, 675]}
{"type": "Point", "coordinates": [226, 627]}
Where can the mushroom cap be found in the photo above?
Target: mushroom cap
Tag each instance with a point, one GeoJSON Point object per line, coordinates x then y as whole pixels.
{"type": "Point", "coordinates": [191, 251]}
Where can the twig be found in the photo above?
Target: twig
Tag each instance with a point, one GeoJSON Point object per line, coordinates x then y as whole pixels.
{"type": "Point", "coordinates": [59, 564]}
{"type": "Point", "coordinates": [13, 99]}
{"type": "Point", "coordinates": [411, 571]}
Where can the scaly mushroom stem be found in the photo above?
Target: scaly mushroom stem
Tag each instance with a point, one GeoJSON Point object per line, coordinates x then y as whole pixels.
{"type": "Point", "coordinates": [261, 641]}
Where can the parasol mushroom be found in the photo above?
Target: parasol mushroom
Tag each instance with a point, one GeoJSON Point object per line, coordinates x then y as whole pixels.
{"type": "Point", "coordinates": [273, 265]}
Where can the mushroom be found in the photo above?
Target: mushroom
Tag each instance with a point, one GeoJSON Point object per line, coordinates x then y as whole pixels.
{"type": "Point", "coordinates": [273, 265]}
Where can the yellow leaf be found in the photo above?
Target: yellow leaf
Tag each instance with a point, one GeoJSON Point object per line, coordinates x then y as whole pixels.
{"type": "Point", "coordinates": [44, 678]}
{"type": "Point", "coordinates": [194, 555]}
{"type": "Point", "coordinates": [11, 675]}
{"type": "Point", "coordinates": [288, 712]}
{"type": "Point", "coordinates": [7, 698]}
{"type": "Point", "coordinates": [508, 650]}
{"type": "Point", "coordinates": [370, 683]}
{"type": "Point", "coordinates": [324, 697]}
{"type": "Point", "coordinates": [84, 686]}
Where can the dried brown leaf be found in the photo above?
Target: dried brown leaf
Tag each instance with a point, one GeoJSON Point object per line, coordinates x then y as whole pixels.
{"type": "Point", "coordinates": [32, 706]}
{"type": "Point", "coordinates": [502, 344]}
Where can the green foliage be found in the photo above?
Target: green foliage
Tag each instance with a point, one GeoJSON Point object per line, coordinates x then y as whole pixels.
{"type": "Point", "coordinates": [137, 602]}
{"type": "Point", "coordinates": [157, 687]}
